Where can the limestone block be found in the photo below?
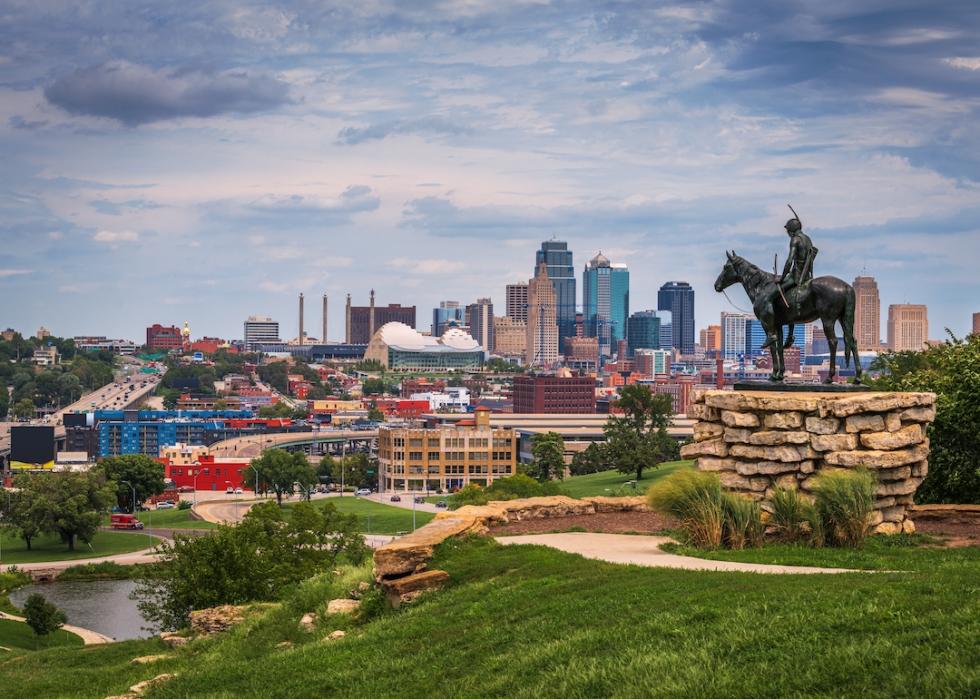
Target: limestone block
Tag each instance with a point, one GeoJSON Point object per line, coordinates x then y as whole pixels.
{"type": "Point", "coordinates": [893, 514]}
{"type": "Point", "coordinates": [344, 606]}
{"type": "Point", "coordinates": [882, 503]}
{"type": "Point", "coordinates": [216, 619]}
{"type": "Point", "coordinates": [921, 469]}
{"type": "Point", "coordinates": [927, 414]}
{"type": "Point", "coordinates": [806, 466]}
{"type": "Point", "coordinates": [904, 499]}
{"type": "Point", "coordinates": [737, 434]}
{"type": "Point", "coordinates": [543, 507]}
{"type": "Point", "coordinates": [784, 421]}
{"type": "Point", "coordinates": [700, 411]}
{"type": "Point", "coordinates": [893, 423]}
{"type": "Point", "coordinates": [865, 423]}
{"type": "Point", "coordinates": [736, 419]}
{"type": "Point", "coordinates": [336, 635]}
{"type": "Point", "coordinates": [409, 553]}
{"type": "Point", "coordinates": [711, 447]}
{"type": "Point", "coordinates": [710, 463]}
{"type": "Point", "coordinates": [822, 425]}
{"type": "Point", "coordinates": [878, 459]}
{"type": "Point", "coordinates": [629, 503]}
{"type": "Point", "coordinates": [767, 468]}
{"type": "Point", "coordinates": [895, 474]}
{"type": "Point", "coordinates": [787, 481]}
{"type": "Point", "coordinates": [906, 436]}
{"type": "Point", "coordinates": [707, 430]}
{"type": "Point", "coordinates": [406, 589]}
{"type": "Point", "coordinates": [906, 487]}
{"type": "Point", "coordinates": [834, 442]}
{"type": "Point", "coordinates": [751, 401]}
{"type": "Point", "coordinates": [888, 528]}
{"type": "Point", "coordinates": [808, 483]}
{"type": "Point", "coordinates": [736, 482]}
{"type": "Point", "coordinates": [778, 438]}
{"type": "Point", "coordinates": [308, 622]}
{"type": "Point", "coordinates": [908, 526]}
{"type": "Point", "coordinates": [874, 402]}
{"type": "Point", "coordinates": [784, 453]}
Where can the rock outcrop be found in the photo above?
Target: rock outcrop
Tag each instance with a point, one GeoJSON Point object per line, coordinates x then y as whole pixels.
{"type": "Point", "coordinates": [216, 619]}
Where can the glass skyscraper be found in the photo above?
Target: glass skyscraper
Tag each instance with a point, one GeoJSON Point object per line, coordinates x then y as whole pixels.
{"type": "Point", "coordinates": [678, 298]}
{"type": "Point", "coordinates": [605, 301]}
{"type": "Point", "coordinates": [556, 255]}
{"type": "Point", "coordinates": [755, 337]}
{"type": "Point", "coordinates": [643, 332]}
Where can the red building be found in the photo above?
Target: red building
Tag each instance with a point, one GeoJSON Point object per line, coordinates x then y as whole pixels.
{"type": "Point", "coordinates": [554, 394]}
{"type": "Point", "coordinates": [412, 386]}
{"type": "Point", "coordinates": [206, 472]}
{"type": "Point", "coordinates": [210, 345]}
{"type": "Point", "coordinates": [399, 407]}
{"type": "Point", "coordinates": [163, 338]}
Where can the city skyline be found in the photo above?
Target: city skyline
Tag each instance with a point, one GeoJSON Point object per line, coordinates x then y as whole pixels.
{"type": "Point", "coordinates": [231, 158]}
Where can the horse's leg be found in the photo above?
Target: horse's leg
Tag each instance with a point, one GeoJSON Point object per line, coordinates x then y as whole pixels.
{"type": "Point", "coordinates": [831, 333]}
{"type": "Point", "coordinates": [780, 368]}
{"type": "Point", "coordinates": [789, 337]}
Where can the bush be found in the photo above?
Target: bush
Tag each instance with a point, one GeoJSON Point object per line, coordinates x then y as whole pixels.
{"type": "Point", "coordinates": [510, 488]}
{"type": "Point", "coordinates": [743, 521]}
{"type": "Point", "coordinates": [184, 505]}
{"type": "Point", "coordinates": [789, 513]}
{"type": "Point", "coordinates": [694, 498]}
{"type": "Point", "coordinates": [844, 501]}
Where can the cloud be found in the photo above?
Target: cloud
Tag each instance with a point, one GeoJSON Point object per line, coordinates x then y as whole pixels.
{"type": "Point", "coordinates": [434, 126]}
{"type": "Point", "coordinates": [4, 273]}
{"type": "Point", "coordinates": [967, 63]}
{"type": "Point", "coordinates": [135, 94]}
{"type": "Point", "coordinates": [116, 237]}
{"type": "Point", "coordinates": [426, 266]}
{"type": "Point", "coordinates": [274, 287]}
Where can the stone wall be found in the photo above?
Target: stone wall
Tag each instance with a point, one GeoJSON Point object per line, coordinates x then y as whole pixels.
{"type": "Point", "coordinates": [756, 440]}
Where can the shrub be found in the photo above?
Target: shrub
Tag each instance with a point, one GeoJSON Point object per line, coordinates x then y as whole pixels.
{"type": "Point", "coordinates": [742, 521]}
{"type": "Point", "coordinates": [694, 498]}
{"type": "Point", "coordinates": [184, 505]}
{"type": "Point", "coordinates": [510, 488]}
{"type": "Point", "coordinates": [789, 513]}
{"type": "Point", "coordinates": [844, 501]}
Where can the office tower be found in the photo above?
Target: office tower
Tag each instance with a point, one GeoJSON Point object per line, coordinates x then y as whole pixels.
{"type": "Point", "coordinates": [481, 322]}
{"type": "Point", "coordinates": [509, 337]}
{"type": "Point", "coordinates": [605, 301]}
{"type": "Point", "coordinates": [755, 337]}
{"type": "Point", "coordinates": [300, 318]}
{"type": "Point", "coordinates": [363, 321]}
{"type": "Point", "coordinates": [666, 330]}
{"type": "Point", "coordinates": [542, 324]}
{"type": "Point", "coordinates": [733, 332]}
{"type": "Point", "coordinates": [323, 337]}
{"type": "Point", "coordinates": [517, 302]}
{"type": "Point", "coordinates": [561, 272]}
{"type": "Point", "coordinates": [643, 332]}
{"type": "Point", "coordinates": [867, 314]}
{"type": "Point", "coordinates": [818, 340]}
{"type": "Point", "coordinates": [650, 362]}
{"type": "Point", "coordinates": [678, 298]}
{"type": "Point", "coordinates": [447, 315]}
{"type": "Point", "coordinates": [163, 338]}
{"type": "Point", "coordinates": [908, 326]}
{"type": "Point", "coordinates": [710, 340]}
{"type": "Point", "coordinates": [976, 323]}
{"type": "Point", "coordinates": [260, 330]}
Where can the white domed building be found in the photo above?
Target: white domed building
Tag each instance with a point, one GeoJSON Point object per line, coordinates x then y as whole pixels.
{"type": "Point", "coordinates": [401, 348]}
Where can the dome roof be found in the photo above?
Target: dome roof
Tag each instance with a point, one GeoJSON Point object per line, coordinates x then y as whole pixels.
{"type": "Point", "coordinates": [403, 337]}
{"type": "Point", "coordinates": [599, 260]}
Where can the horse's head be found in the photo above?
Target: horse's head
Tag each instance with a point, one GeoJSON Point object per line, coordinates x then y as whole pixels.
{"type": "Point", "coordinates": [729, 275]}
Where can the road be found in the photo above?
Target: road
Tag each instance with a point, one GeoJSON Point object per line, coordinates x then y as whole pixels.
{"type": "Point", "coordinates": [254, 445]}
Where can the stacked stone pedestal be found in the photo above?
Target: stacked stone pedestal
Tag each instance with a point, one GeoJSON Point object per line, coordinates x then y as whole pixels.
{"type": "Point", "coordinates": [757, 440]}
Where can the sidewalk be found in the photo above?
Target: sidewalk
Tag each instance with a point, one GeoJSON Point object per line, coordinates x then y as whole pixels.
{"type": "Point", "coordinates": [89, 638]}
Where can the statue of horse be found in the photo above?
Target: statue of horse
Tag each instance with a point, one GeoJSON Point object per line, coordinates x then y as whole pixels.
{"type": "Point", "coordinates": [830, 299]}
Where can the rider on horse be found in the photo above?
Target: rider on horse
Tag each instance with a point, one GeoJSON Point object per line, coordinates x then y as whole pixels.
{"type": "Point", "coordinates": [797, 274]}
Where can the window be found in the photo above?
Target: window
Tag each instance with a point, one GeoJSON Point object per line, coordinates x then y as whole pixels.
{"type": "Point", "coordinates": [433, 456]}
{"type": "Point", "coordinates": [414, 456]}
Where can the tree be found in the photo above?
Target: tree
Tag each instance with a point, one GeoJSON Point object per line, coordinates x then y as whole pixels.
{"type": "Point", "coordinates": [24, 409]}
{"type": "Point", "coordinates": [951, 371]}
{"type": "Point", "coordinates": [355, 470]}
{"type": "Point", "coordinates": [548, 450]}
{"type": "Point", "coordinates": [373, 387]}
{"type": "Point", "coordinates": [140, 472]}
{"type": "Point", "coordinates": [589, 460]}
{"type": "Point", "coordinates": [42, 616]}
{"type": "Point", "coordinates": [70, 505]}
{"type": "Point", "coordinates": [278, 470]}
{"type": "Point", "coordinates": [638, 439]}
{"type": "Point", "coordinates": [374, 413]}
{"type": "Point", "coordinates": [4, 399]}
{"type": "Point", "coordinates": [24, 514]}
{"type": "Point", "coordinates": [280, 409]}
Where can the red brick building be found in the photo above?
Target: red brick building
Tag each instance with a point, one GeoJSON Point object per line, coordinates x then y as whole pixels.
{"type": "Point", "coordinates": [554, 394]}
{"type": "Point", "coordinates": [163, 338]}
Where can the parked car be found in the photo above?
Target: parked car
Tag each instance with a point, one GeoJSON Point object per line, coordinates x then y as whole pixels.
{"type": "Point", "coordinates": [229, 490]}
{"type": "Point", "coordinates": [395, 498]}
{"type": "Point", "coordinates": [185, 489]}
{"type": "Point", "coordinates": [165, 505]}
{"type": "Point", "coordinates": [238, 491]}
{"type": "Point", "coordinates": [362, 491]}
{"type": "Point", "coordinates": [442, 503]}
{"type": "Point", "coordinates": [419, 499]}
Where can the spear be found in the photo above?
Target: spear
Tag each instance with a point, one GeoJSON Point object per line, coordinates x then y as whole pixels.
{"type": "Point", "coordinates": [775, 266]}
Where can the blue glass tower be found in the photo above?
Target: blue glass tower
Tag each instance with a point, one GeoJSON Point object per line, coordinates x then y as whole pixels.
{"type": "Point", "coordinates": [643, 331]}
{"type": "Point", "coordinates": [605, 301]}
{"type": "Point", "coordinates": [755, 336]}
{"type": "Point", "coordinates": [678, 298]}
{"type": "Point", "coordinates": [556, 255]}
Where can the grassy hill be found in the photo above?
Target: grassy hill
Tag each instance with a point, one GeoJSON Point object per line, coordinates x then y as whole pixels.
{"type": "Point", "coordinates": [48, 547]}
{"type": "Point", "coordinates": [614, 482]}
{"type": "Point", "coordinates": [376, 518]}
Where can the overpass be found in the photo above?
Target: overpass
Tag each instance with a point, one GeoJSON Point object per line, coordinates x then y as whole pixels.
{"type": "Point", "coordinates": [312, 443]}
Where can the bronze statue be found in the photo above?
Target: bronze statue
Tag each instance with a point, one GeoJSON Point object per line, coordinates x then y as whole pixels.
{"type": "Point", "coordinates": [796, 297]}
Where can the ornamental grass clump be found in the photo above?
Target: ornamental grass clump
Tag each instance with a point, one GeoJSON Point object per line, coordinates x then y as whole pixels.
{"type": "Point", "coordinates": [844, 501]}
{"type": "Point", "coordinates": [694, 498]}
{"type": "Point", "coordinates": [743, 521]}
{"type": "Point", "coordinates": [789, 515]}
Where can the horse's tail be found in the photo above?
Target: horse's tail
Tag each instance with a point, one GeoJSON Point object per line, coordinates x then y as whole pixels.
{"type": "Point", "coordinates": [850, 345]}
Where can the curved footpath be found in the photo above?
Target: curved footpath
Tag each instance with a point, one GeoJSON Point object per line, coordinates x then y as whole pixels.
{"type": "Point", "coordinates": [645, 551]}
{"type": "Point", "coordinates": [89, 638]}
{"type": "Point", "coordinates": [142, 556]}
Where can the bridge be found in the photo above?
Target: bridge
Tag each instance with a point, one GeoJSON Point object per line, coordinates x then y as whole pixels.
{"type": "Point", "coordinates": [321, 442]}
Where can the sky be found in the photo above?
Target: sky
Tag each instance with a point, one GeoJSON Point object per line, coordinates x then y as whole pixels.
{"type": "Point", "coordinates": [206, 161]}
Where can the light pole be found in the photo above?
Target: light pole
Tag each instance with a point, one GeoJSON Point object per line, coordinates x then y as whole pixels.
{"type": "Point", "coordinates": [197, 472]}
{"type": "Point", "coordinates": [343, 461]}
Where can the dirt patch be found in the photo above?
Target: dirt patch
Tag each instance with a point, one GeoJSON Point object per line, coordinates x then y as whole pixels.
{"type": "Point", "coordinates": [954, 529]}
{"type": "Point", "coordinates": [601, 522]}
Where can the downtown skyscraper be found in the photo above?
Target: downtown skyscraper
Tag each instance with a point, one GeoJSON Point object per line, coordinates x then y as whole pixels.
{"type": "Point", "coordinates": [867, 314]}
{"type": "Point", "coordinates": [678, 298]}
{"type": "Point", "coordinates": [558, 258]}
{"type": "Point", "coordinates": [605, 301]}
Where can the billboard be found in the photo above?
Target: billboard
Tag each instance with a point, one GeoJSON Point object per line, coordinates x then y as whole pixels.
{"type": "Point", "coordinates": [31, 446]}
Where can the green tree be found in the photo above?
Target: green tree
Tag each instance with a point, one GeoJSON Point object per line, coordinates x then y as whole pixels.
{"type": "Point", "coordinates": [280, 409]}
{"type": "Point", "coordinates": [277, 470]}
{"type": "Point", "coordinates": [139, 471]}
{"type": "Point", "coordinates": [589, 460]}
{"type": "Point", "coordinates": [24, 514]}
{"type": "Point", "coordinates": [4, 399]}
{"type": "Point", "coordinates": [548, 450]}
{"type": "Point", "coordinates": [42, 616]}
{"type": "Point", "coordinates": [354, 471]}
{"type": "Point", "coordinates": [24, 409]}
{"type": "Point", "coordinates": [638, 439]}
{"type": "Point", "coordinates": [373, 387]}
{"type": "Point", "coordinates": [951, 371]}
{"type": "Point", "coordinates": [70, 505]}
{"type": "Point", "coordinates": [374, 413]}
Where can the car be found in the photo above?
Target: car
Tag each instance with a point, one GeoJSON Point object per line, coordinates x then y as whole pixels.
{"type": "Point", "coordinates": [395, 498]}
{"type": "Point", "coordinates": [185, 489]}
{"type": "Point", "coordinates": [419, 499]}
{"type": "Point", "coordinates": [229, 490]}
{"type": "Point", "coordinates": [362, 491]}
{"type": "Point", "coordinates": [442, 504]}
{"type": "Point", "coordinates": [238, 491]}
{"type": "Point", "coordinates": [165, 505]}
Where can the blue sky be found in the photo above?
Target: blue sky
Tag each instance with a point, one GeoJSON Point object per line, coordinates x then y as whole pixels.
{"type": "Point", "coordinates": [165, 162]}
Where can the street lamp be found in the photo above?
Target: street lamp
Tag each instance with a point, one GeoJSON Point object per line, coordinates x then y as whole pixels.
{"type": "Point", "coordinates": [197, 472]}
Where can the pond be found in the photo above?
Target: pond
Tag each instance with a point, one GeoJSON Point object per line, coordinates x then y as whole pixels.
{"type": "Point", "coordinates": [99, 605]}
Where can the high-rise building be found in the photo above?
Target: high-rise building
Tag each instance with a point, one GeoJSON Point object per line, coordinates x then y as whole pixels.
{"type": "Point", "coordinates": [542, 324]}
{"type": "Point", "coordinates": [561, 272]}
{"type": "Point", "coordinates": [643, 332]}
{"type": "Point", "coordinates": [362, 321]}
{"type": "Point", "coordinates": [260, 330]}
{"type": "Point", "coordinates": [481, 322]}
{"type": "Point", "coordinates": [733, 333]}
{"type": "Point", "coordinates": [554, 394]}
{"type": "Point", "coordinates": [908, 326]}
{"type": "Point", "coordinates": [509, 337]}
{"type": "Point", "coordinates": [581, 353]}
{"type": "Point", "coordinates": [605, 301]}
{"type": "Point", "coordinates": [517, 301]}
{"type": "Point", "coordinates": [678, 298]}
{"type": "Point", "coordinates": [755, 337]}
{"type": "Point", "coordinates": [710, 340]}
{"type": "Point", "coordinates": [163, 338]}
{"type": "Point", "coordinates": [867, 314]}
{"type": "Point", "coordinates": [650, 362]}
{"type": "Point", "coordinates": [976, 323]}
{"type": "Point", "coordinates": [449, 314]}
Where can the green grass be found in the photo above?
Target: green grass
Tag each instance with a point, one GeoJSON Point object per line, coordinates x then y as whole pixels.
{"type": "Point", "coordinates": [376, 518]}
{"type": "Point", "coordinates": [18, 635]}
{"type": "Point", "coordinates": [173, 519]}
{"type": "Point", "coordinates": [50, 548]}
{"type": "Point", "coordinates": [613, 482]}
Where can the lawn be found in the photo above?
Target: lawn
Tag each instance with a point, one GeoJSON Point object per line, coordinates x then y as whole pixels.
{"type": "Point", "coordinates": [173, 519]}
{"type": "Point", "coordinates": [376, 518]}
{"type": "Point", "coordinates": [18, 635]}
{"type": "Point", "coordinates": [614, 482]}
{"type": "Point", "coordinates": [50, 548]}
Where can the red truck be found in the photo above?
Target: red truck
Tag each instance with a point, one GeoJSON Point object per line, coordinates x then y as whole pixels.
{"type": "Point", "coordinates": [124, 521]}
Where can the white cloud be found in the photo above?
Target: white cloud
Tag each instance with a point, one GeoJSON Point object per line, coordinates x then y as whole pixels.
{"type": "Point", "coordinates": [275, 287]}
{"type": "Point", "coordinates": [426, 266]}
{"type": "Point", "coordinates": [116, 237]}
{"type": "Point", "coordinates": [13, 272]}
{"type": "Point", "coordinates": [965, 62]}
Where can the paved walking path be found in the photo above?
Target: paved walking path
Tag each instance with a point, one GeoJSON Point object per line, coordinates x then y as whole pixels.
{"type": "Point", "coordinates": [89, 637]}
{"type": "Point", "coordinates": [143, 556]}
{"type": "Point", "coordinates": [645, 551]}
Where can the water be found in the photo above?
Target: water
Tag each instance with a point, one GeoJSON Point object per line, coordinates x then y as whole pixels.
{"type": "Point", "coordinates": [99, 605]}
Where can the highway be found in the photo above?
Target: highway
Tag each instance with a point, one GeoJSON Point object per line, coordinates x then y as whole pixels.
{"type": "Point", "coordinates": [253, 445]}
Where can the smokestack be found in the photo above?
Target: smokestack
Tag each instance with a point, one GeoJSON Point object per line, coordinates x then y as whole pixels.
{"type": "Point", "coordinates": [301, 317]}
{"type": "Point", "coordinates": [347, 322]}
{"type": "Point", "coordinates": [371, 317]}
{"type": "Point", "coordinates": [323, 336]}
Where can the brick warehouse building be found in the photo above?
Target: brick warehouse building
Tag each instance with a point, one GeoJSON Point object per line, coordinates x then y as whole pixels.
{"type": "Point", "coordinates": [554, 394]}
